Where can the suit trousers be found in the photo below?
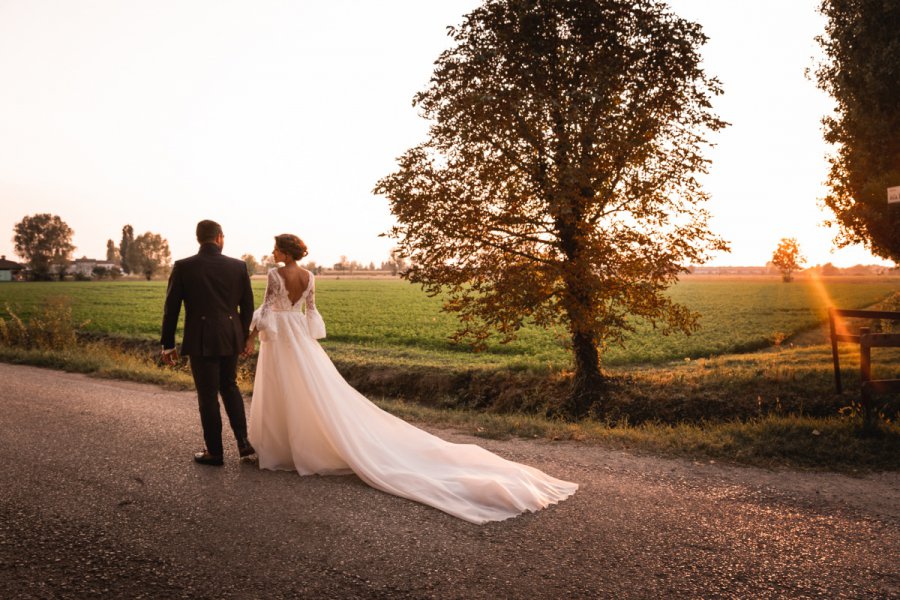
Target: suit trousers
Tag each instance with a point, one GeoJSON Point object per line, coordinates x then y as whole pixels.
{"type": "Point", "coordinates": [215, 375]}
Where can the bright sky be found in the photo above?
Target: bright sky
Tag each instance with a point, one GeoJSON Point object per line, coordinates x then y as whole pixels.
{"type": "Point", "coordinates": [279, 116]}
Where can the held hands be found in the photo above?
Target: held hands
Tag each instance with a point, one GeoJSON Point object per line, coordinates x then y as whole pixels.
{"type": "Point", "coordinates": [249, 347]}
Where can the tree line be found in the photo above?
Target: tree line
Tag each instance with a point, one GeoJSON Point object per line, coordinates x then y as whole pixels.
{"type": "Point", "coordinates": [394, 265]}
{"type": "Point", "coordinates": [44, 241]}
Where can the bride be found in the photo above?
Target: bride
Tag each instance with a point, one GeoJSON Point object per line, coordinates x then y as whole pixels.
{"type": "Point", "coordinates": [305, 417]}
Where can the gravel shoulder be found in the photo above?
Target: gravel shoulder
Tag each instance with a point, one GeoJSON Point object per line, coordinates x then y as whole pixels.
{"type": "Point", "coordinates": [99, 497]}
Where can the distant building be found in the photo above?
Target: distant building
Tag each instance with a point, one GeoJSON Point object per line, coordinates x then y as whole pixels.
{"type": "Point", "coordinates": [85, 266]}
{"type": "Point", "coordinates": [9, 270]}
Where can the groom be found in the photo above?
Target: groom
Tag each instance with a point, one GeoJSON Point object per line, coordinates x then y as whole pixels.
{"type": "Point", "coordinates": [213, 287]}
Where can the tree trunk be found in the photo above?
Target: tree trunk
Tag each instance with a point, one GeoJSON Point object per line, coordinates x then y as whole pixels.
{"type": "Point", "coordinates": [588, 382]}
{"type": "Point", "coordinates": [587, 385]}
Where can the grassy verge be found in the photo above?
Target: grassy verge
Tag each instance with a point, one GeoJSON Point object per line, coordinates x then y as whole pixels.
{"type": "Point", "coordinates": [99, 360]}
{"type": "Point", "coordinates": [777, 393]}
{"type": "Point", "coordinates": [817, 443]}
{"type": "Point", "coordinates": [778, 380]}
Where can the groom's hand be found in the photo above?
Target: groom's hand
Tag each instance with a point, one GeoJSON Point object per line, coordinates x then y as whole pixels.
{"type": "Point", "coordinates": [169, 356]}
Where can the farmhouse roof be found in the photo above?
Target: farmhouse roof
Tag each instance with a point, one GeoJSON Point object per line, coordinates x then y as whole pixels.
{"type": "Point", "coordinates": [8, 265]}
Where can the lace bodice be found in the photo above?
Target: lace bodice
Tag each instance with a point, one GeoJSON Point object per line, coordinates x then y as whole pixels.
{"type": "Point", "coordinates": [277, 299]}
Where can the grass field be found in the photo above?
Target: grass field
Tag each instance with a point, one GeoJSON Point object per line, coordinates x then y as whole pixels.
{"type": "Point", "coordinates": [394, 322]}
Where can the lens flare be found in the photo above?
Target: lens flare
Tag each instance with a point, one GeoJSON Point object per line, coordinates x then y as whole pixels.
{"type": "Point", "coordinates": [819, 286]}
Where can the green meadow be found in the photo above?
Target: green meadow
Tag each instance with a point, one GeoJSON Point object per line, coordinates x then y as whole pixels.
{"type": "Point", "coordinates": [394, 321]}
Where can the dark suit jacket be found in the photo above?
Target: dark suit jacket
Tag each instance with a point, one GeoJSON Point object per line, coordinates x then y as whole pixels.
{"type": "Point", "coordinates": [212, 287]}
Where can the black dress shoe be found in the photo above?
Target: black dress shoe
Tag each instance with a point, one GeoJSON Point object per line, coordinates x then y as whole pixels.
{"type": "Point", "coordinates": [245, 449]}
{"type": "Point", "coordinates": [205, 458]}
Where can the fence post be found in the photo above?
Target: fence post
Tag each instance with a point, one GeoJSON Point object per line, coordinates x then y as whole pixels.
{"type": "Point", "coordinates": [834, 351]}
{"type": "Point", "coordinates": [865, 374]}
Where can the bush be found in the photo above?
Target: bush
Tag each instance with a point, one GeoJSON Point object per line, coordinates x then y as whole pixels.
{"type": "Point", "coordinates": [50, 328]}
{"type": "Point", "coordinates": [13, 332]}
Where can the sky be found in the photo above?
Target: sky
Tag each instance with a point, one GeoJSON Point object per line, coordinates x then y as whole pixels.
{"type": "Point", "coordinates": [278, 116]}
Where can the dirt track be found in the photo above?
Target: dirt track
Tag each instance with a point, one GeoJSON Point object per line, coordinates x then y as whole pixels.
{"type": "Point", "coordinates": [99, 497]}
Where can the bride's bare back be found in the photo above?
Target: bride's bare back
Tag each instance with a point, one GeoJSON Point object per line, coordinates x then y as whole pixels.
{"type": "Point", "coordinates": [296, 281]}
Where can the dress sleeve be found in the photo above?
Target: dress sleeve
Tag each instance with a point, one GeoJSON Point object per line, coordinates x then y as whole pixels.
{"type": "Point", "coordinates": [262, 316]}
{"type": "Point", "coordinates": [314, 321]}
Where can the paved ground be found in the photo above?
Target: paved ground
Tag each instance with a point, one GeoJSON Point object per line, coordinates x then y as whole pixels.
{"type": "Point", "coordinates": [99, 498]}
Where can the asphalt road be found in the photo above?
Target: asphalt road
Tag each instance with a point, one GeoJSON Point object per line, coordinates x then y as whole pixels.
{"type": "Point", "coordinates": [99, 498]}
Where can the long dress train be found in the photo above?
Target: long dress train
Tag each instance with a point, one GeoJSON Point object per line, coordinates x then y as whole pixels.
{"type": "Point", "coordinates": [304, 416]}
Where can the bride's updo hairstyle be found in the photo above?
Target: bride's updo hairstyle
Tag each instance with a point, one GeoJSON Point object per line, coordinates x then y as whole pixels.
{"type": "Point", "coordinates": [291, 245]}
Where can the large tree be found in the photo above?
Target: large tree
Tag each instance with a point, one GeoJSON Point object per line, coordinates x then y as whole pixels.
{"type": "Point", "coordinates": [862, 74]}
{"type": "Point", "coordinates": [43, 240]}
{"type": "Point", "coordinates": [558, 184]}
{"type": "Point", "coordinates": [125, 248]}
{"type": "Point", "coordinates": [148, 253]}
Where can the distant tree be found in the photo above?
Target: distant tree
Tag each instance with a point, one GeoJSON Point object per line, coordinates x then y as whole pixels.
{"type": "Point", "coordinates": [559, 182]}
{"type": "Point", "coordinates": [267, 262]}
{"type": "Point", "coordinates": [829, 270]}
{"type": "Point", "coordinates": [148, 253]}
{"type": "Point", "coordinates": [311, 266]}
{"type": "Point", "coordinates": [251, 263]}
{"type": "Point", "coordinates": [861, 74]}
{"type": "Point", "coordinates": [125, 249]}
{"type": "Point", "coordinates": [787, 258]}
{"type": "Point", "coordinates": [371, 266]}
{"type": "Point", "coordinates": [112, 253]}
{"type": "Point", "coordinates": [100, 272]}
{"type": "Point", "coordinates": [44, 240]}
{"type": "Point", "coordinates": [397, 262]}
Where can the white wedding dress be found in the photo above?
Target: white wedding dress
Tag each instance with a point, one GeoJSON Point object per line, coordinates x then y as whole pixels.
{"type": "Point", "coordinates": [304, 416]}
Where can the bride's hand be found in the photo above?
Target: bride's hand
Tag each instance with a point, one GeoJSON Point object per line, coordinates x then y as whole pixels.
{"type": "Point", "coordinates": [249, 347]}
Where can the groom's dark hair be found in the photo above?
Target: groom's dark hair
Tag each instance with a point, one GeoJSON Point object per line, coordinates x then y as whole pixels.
{"type": "Point", "coordinates": [208, 231]}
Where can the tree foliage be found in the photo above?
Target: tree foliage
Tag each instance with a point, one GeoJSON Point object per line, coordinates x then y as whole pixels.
{"type": "Point", "coordinates": [125, 249]}
{"type": "Point", "coordinates": [43, 240]}
{"type": "Point", "coordinates": [112, 254]}
{"type": "Point", "coordinates": [558, 183]}
{"type": "Point", "coordinates": [148, 253]}
{"type": "Point", "coordinates": [787, 258]}
{"type": "Point", "coordinates": [251, 263]}
{"type": "Point", "coordinates": [862, 74]}
{"type": "Point", "coordinates": [268, 262]}
{"type": "Point", "coordinates": [397, 262]}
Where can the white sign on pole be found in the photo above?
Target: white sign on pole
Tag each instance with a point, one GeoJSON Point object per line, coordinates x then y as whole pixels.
{"type": "Point", "coordinates": [893, 194]}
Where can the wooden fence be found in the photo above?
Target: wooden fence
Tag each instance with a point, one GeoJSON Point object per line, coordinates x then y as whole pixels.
{"type": "Point", "coordinates": [866, 340]}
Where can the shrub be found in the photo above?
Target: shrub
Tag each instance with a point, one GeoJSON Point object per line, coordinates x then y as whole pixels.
{"type": "Point", "coordinates": [50, 328]}
{"type": "Point", "coordinates": [13, 332]}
